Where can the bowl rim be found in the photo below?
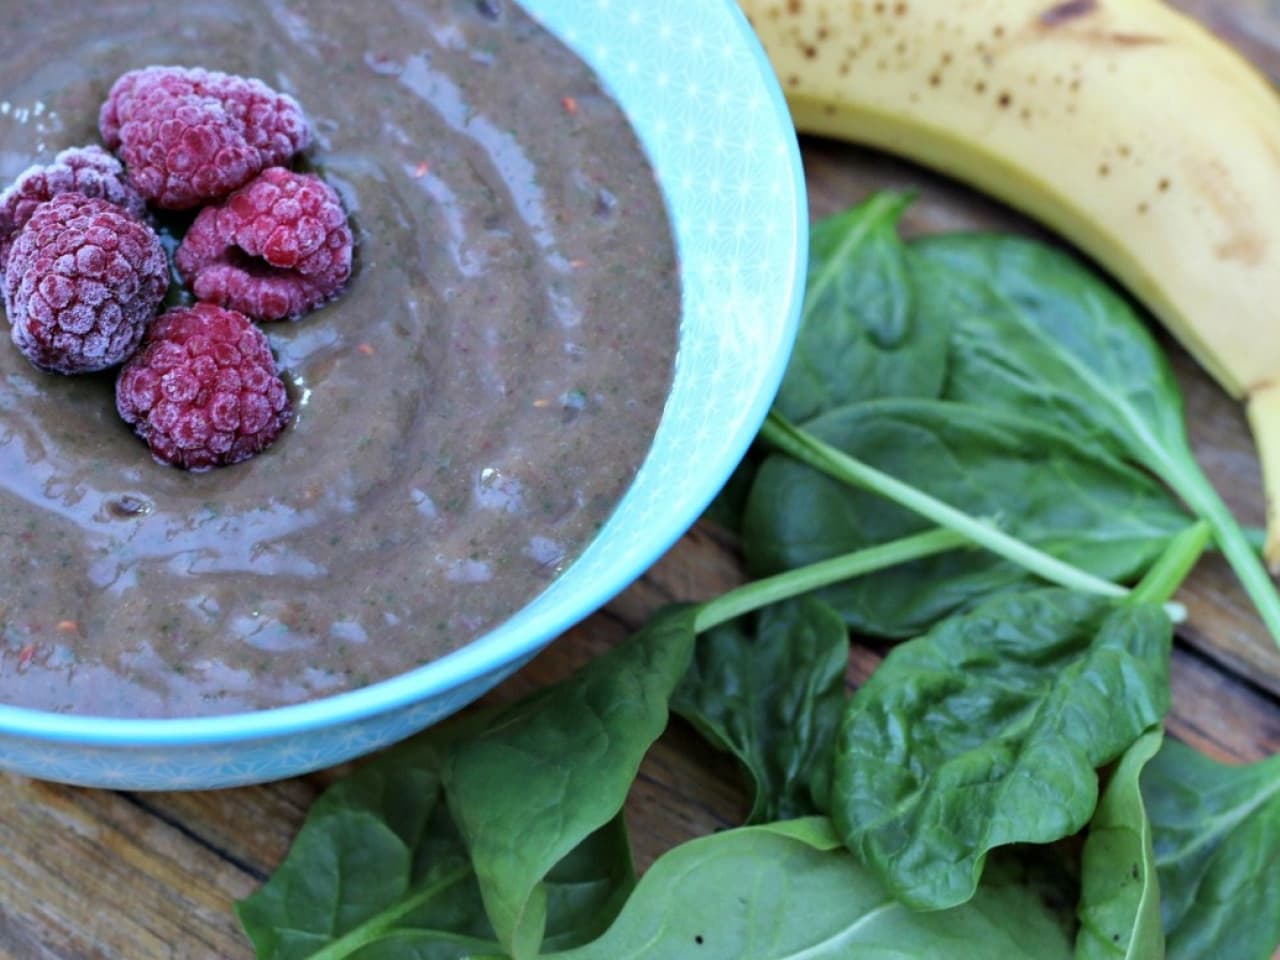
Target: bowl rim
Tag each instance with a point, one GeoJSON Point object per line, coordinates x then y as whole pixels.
{"type": "Point", "coordinates": [486, 654]}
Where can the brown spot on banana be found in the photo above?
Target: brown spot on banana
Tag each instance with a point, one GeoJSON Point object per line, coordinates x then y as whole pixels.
{"type": "Point", "coordinates": [1247, 246]}
{"type": "Point", "coordinates": [1072, 11]}
{"type": "Point", "coordinates": [1129, 39]}
{"type": "Point", "coordinates": [1066, 12]}
{"type": "Point", "coordinates": [1259, 386]}
{"type": "Point", "coordinates": [1113, 38]}
{"type": "Point", "coordinates": [1240, 237]}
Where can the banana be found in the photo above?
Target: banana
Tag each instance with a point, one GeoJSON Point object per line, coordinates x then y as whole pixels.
{"type": "Point", "coordinates": [1122, 124]}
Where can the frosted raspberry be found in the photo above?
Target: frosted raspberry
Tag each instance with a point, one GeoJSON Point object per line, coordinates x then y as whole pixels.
{"type": "Point", "coordinates": [203, 391]}
{"type": "Point", "coordinates": [89, 171]}
{"type": "Point", "coordinates": [189, 135]}
{"type": "Point", "coordinates": [84, 280]}
{"type": "Point", "coordinates": [276, 248]}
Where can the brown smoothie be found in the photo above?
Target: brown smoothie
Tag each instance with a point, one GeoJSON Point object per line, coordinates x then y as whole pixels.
{"type": "Point", "coordinates": [467, 415]}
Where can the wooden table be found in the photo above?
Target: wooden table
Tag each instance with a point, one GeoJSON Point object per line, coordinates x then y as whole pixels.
{"type": "Point", "coordinates": [137, 876]}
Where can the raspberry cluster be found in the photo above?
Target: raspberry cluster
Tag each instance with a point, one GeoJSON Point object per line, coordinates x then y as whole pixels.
{"type": "Point", "coordinates": [84, 273]}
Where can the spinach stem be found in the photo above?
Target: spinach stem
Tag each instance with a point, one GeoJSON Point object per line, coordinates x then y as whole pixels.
{"type": "Point", "coordinates": [1190, 483]}
{"type": "Point", "coordinates": [837, 464]}
{"type": "Point", "coordinates": [784, 586]}
{"type": "Point", "coordinates": [1165, 576]}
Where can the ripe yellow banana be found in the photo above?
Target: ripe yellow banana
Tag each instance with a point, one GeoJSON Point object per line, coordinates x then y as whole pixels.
{"type": "Point", "coordinates": [1122, 124]}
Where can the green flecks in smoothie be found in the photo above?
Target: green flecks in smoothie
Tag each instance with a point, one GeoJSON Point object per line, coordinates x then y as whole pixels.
{"type": "Point", "coordinates": [14, 638]}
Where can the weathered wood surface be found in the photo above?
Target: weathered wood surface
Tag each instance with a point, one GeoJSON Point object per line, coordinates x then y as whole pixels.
{"type": "Point", "coordinates": [95, 874]}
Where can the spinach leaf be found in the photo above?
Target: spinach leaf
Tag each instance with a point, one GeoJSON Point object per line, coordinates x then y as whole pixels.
{"type": "Point", "coordinates": [377, 856]}
{"type": "Point", "coordinates": [1120, 900]}
{"type": "Point", "coordinates": [770, 690]}
{"type": "Point", "coordinates": [860, 334]}
{"type": "Point", "coordinates": [379, 872]}
{"type": "Point", "coordinates": [588, 887]}
{"type": "Point", "coordinates": [786, 891]}
{"type": "Point", "coordinates": [547, 772]}
{"type": "Point", "coordinates": [1217, 842]}
{"type": "Point", "coordinates": [1070, 501]}
{"type": "Point", "coordinates": [988, 730]}
{"type": "Point", "coordinates": [1034, 331]}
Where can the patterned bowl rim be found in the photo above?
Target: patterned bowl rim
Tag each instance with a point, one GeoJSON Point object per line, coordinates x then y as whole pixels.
{"type": "Point", "coordinates": [535, 626]}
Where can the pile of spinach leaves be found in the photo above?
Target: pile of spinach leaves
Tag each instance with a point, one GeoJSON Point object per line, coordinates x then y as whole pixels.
{"type": "Point", "coordinates": [978, 448]}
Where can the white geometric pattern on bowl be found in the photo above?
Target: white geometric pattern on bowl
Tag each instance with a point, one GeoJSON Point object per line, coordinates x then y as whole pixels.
{"type": "Point", "coordinates": [703, 100]}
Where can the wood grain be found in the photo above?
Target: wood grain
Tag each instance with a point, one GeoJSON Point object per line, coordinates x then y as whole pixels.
{"type": "Point", "coordinates": [93, 874]}
{"type": "Point", "coordinates": [117, 876]}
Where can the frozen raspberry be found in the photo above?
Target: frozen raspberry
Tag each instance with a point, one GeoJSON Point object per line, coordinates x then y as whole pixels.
{"type": "Point", "coordinates": [84, 280]}
{"type": "Point", "coordinates": [188, 135]}
{"type": "Point", "coordinates": [89, 171]}
{"type": "Point", "coordinates": [203, 391]}
{"type": "Point", "coordinates": [276, 248]}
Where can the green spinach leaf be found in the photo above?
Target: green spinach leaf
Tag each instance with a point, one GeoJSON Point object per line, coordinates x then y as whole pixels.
{"type": "Point", "coordinates": [988, 731]}
{"type": "Point", "coordinates": [770, 690]}
{"type": "Point", "coordinates": [1034, 331]}
{"type": "Point", "coordinates": [586, 890]}
{"type": "Point", "coordinates": [1217, 842]}
{"type": "Point", "coordinates": [860, 334]}
{"type": "Point", "coordinates": [1076, 504]}
{"type": "Point", "coordinates": [787, 891]}
{"type": "Point", "coordinates": [377, 856]}
{"type": "Point", "coordinates": [1120, 900]}
{"type": "Point", "coordinates": [547, 772]}
{"type": "Point", "coordinates": [379, 872]}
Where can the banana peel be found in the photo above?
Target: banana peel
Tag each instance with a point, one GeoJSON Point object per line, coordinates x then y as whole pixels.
{"type": "Point", "coordinates": [1122, 124]}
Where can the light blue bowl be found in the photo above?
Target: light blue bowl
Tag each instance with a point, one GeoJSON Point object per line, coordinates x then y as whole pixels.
{"type": "Point", "coordinates": [704, 102]}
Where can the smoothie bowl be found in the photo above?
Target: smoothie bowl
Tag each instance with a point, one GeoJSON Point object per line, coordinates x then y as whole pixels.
{"type": "Point", "coordinates": [579, 246]}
